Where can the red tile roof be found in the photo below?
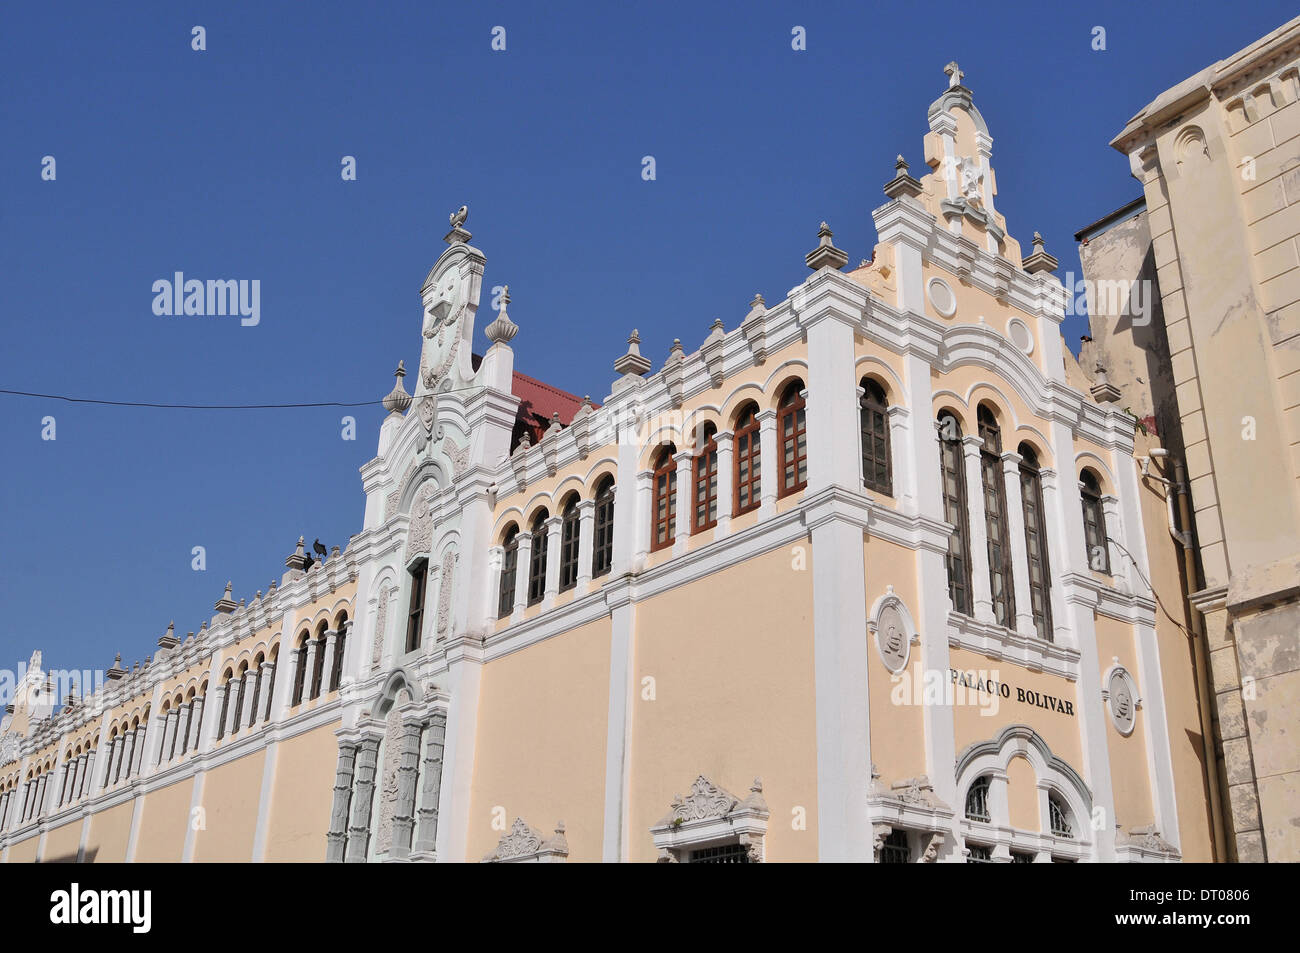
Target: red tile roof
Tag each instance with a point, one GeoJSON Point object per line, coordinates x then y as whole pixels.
{"type": "Point", "coordinates": [537, 402]}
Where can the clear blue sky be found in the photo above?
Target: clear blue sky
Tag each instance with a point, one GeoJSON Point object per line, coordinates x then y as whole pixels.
{"type": "Point", "coordinates": [225, 164]}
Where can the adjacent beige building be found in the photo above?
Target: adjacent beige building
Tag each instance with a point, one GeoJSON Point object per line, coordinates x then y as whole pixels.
{"type": "Point", "coordinates": [1207, 350]}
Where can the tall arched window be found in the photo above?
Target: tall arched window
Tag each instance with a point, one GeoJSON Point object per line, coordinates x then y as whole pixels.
{"type": "Point", "coordinates": [340, 645]}
{"type": "Point", "coordinates": [954, 512]}
{"type": "Point", "coordinates": [792, 431]}
{"type": "Point", "coordinates": [318, 666]}
{"type": "Point", "coordinates": [1040, 575]}
{"type": "Point", "coordinates": [1001, 587]}
{"type": "Point", "coordinates": [569, 545]}
{"type": "Point", "coordinates": [537, 560]}
{"type": "Point", "coordinates": [877, 465]}
{"type": "Point", "coordinates": [509, 566]}
{"type": "Point", "coordinates": [299, 675]}
{"type": "Point", "coordinates": [238, 687]}
{"type": "Point", "coordinates": [602, 553]}
{"type": "Point", "coordinates": [225, 702]}
{"type": "Point", "coordinates": [414, 613]}
{"type": "Point", "coordinates": [748, 462]}
{"type": "Point", "coordinates": [1094, 522]}
{"type": "Point", "coordinates": [704, 478]}
{"type": "Point", "coordinates": [664, 505]}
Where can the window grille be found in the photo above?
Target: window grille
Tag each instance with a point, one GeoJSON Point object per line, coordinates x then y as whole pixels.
{"type": "Point", "coordinates": [726, 854]}
{"type": "Point", "coordinates": [895, 849]}
{"type": "Point", "coordinates": [977, 800]}
{"type": "Point", "coordinates": [1020, 857]}
{"type": "Point", "coordinates": [1058, 817]}
{"type": "Point", "coordinates": [979, 854]}
{"type": "Point", "coordinates": [509, 565]}
{"type": "Point", "coordinates": [602, 555]}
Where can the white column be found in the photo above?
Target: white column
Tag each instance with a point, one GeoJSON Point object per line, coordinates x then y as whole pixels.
{"type": "Point", "coordinates": [769, 470]}
{"type": "Point", "coordinates": [138, 748]}
{"type": "Point", "coordinates": [496, 557]}
{"type": "Point", "coordinates": [171, 724]}
{"type": "Point", "coordinates": [979, 541]}
{"type": "Point", "coordinates": [1056, 549]}
{"type": "Point", "coordinates": [282, 697]}
{"type": "Point", "coordinates": [553, 530]}
{"type": "Point", "coordinates": [643, 517]}
{"type": "Point", "coordinates": [197, 707]}
{"type": "Point", "coordinates": [726, 482]}
{"type": "Point", "coordinates": [79, 777]}
{"type": "Point", "coordinates": [309, 663]}
{"type": "Point", "coordinates": [211, 716]}
{"type": "Point", "coordinates": [904, 464]}
{"type": "Point", "coordinates": [249, 715]}
{"type": "Point", "coordinates": [331, 638]}
{"type": "Point", "coordinates": [128, 753]}
{"type": "Point", "coordinates": [586, 543]}
{"type": "Point", "coordinates": [618, 728]}
{"type": "Point", "coordinates": [1019, 547]}
{"type": "Point", "coordinates": [685, 502]}
{"type": "Point", "coordinates": [626, 508]}
{"type": "Point", "coordinates": [523, 563]}
{"type": "Point", "coordinates": [1120, 565]}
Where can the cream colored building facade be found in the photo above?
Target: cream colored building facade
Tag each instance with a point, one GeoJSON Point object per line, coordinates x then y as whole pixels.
{"type": "Point", "coordinates": [867, 576]}
{"type": "Point", "coordinates": [1216, 364]}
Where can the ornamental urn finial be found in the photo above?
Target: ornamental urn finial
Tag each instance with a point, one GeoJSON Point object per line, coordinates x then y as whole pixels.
{"type": "Point", "coordinates": [502, 330]}
{"type": "Point", "coordinates": [398, 400]}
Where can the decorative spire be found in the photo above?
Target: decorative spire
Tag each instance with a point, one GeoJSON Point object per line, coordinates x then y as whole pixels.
{"type": "Point", "coordinates": [458, 234]}
{"type": "Point", "coordinates": [502, 330]}
{"type": "Point", "coordinates": [825, 254]}
{"type": "Point", "coordinates": [903, 183]}
{"type": "Point", "coordinates": [1102, 390]}
{"type": "Point", "coordinates": [226, 603]}
{"type": "Point", "coordinates": [633, 362]}
{"type": "Point", "coordinates": [168, 640]}
{"type": "Point", "coordinates": [675, 353]}
{"type": "Point", "coordinates": [117, 671]}
{"type": "Point", "coordinates": [398, 400]}
{"type": "Point", "coordinates": [1040, 260]}
{"type": "Point", "coordinates": [298, 560]}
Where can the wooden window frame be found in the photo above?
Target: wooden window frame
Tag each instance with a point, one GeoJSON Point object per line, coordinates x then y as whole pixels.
{"type": "Point", "coordinates": [509, 574]}
{"type": "Point", "coordinates": [749, 434]}
{"type": "Point", "coordinates": [537, 561]}
{"type": "Point", "coordinates": [959, 583]}
{"type": "Point", "coordinates": [997, 532]}
{"type": "Point", "coordinates": [1031, 498]}
{"type": "Point", "coordinates": [415, 604]}
{"type": "Point", "coordinates": [873, 406]}
{"type": "Point", "coordinates": [792, 412]}
{"type": "Point", "coordinates": [300, 674]}
{"type": "Point", "coordinates": [1094, 520]}
{"type": "Point", "coordinates": [704, 485]}
{"type": "Point", "coordinates": [602, 537]}
{"type": "Point", "coordinates": [663, 490]}
{"type": "Point", "coordinates": [570, 533]}
{"type": "Point", "coordinates": [336, 670]}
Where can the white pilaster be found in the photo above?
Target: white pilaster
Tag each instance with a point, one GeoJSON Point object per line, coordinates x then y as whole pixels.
{"type": "Point", "coordinates": [1015, 516]}
{"type": "Point", "coordinates": [726, 482]}
{"type": "Point", "coordinates": [685, 501]}
{"type": "Point", "coordinates": [979, 541]}
{"type": "Point", "coordinates": [769, 471]}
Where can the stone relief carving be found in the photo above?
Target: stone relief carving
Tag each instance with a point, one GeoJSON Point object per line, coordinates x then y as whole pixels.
{"type": "Point", "coordinates": [8, 747]}
{"type": "Point", "coordinates": [422, 520]}
{"type": "Point", "coordinates": [706, 800]}
{"type": "Point", "coordinates": [381, 625]}
{"type": "Point", "coordinates": [444, 592]}
{"type": "Point", "coordinates": [522, 841]}
{"type": "Point", "coordinates": [392, 759]}
{"type": "Point", "coordinates": [394, 499]}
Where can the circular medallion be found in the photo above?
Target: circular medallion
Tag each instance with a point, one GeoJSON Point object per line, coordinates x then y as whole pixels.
{"type": "Point", "coordinates": [1122, 701]}
{"type": "Point", "coordinates": [941, 297]}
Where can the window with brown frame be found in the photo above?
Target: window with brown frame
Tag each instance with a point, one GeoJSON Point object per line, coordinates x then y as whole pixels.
{"type": "Point", "coordinates": [318, 664]}
{"type": "Point", "coordinates": [602, 552]}
{"type": "Point", "coordinates": [239, 702]}
{"type": "Point", "coordinates": [704, 478]}
{"type": "Point", "coordinates": [537, 560]}
{"type": "Point", "coordinates": [414, 613]}
{"type": "Point", "coordinates": [299, 676]}
{"type": "Point", "coordinates": [792, 431]}
{"type": "Point", "coordinates": [664, 505]}
{"type": "Point", "coordinates": [877, 464]}
{"type": "Point", "coordinates": [257, 694]}
{"type": "Point", "coordinates": [509, 566]}
{"type": "Point", "coordinates": [340, 640]}
{"type": "Point", "coordinates": [1094, 522]}
{"type": "Point", "coordinates": [748, 462]}
{"type": "Point", "coordinates": [955, 512]}
{"type": "Point", "coordinates": [225, 707]}
{"type": "Point", "coordinates": [569, 546]}
{"type": "Point", "coordinates": [1040, 576]}
{"type": "Point", "coordinates": [1001, 587]}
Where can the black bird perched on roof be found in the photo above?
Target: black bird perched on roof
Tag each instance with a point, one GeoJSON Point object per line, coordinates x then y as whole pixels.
{"type": "Point", "coordinates": [318, 548]}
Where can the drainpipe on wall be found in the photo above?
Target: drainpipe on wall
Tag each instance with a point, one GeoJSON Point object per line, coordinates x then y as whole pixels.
{"type": "Point", "coordinates": [1201, 659]}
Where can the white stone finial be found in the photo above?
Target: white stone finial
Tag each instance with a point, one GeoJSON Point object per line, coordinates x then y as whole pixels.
{"type": "Point", "coordinates": [398, 400]}
{"type": "Point", "coordinates": [633, 362]}
{"type": "Point", "coordinates": [502, 330]}
{"type": "Point", "coordinates": [954, 74]}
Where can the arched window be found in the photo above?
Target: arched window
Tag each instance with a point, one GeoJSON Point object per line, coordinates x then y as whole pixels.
{"type": "Point", "coordinates": [569, 545]}
{"type": "Point", "coordinates": [954, 512]}
{"type": "Point", "coordinates": [197, 703]}
{"type": "Point", "coordinates": [537, 560]}
{"type": "Point", "coordinates": [704, 477]}
{"type": "Point", "coordinates": [1094, 522]}
{"type": "Point", "coordinates": [602, 553]}
{"type": "Point", "coordinates": [1058, 816]}
{"type": "Point", "coordinates": [1040, 576]}
{"type": "Point", "coordinates": [877, 464]}
{"type": "Point", "coordinates": [415, 609]}
{"type": "Point", "coordinates": [340, 643]}
{"type": "Point", "coordinates": [318, 664]}
{"type": "Point", "coordinates": [509, 565]}
{"type": "Point", "coordinates": [748, 462]}
{"type": "Point", "coordinates": [1001, 587]}
{"type": "Point", "coordinates": [225, 701]}
{"type": "Point", "coordinates": [664, 506]}
{"type": "Point", "coordinates": [977, 799]}
{"type": "Point", "coordinates": [792, 431]}
{"type": "Point", "coordinates": [299, 675]}
{"type": "Point", "coordinates": [238, 685]}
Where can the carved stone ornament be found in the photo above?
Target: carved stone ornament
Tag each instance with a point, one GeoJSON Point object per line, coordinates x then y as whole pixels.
{"type": "Point", "coordinates": [892, 631]}
{"type": "Point", "coordinates": [971, 177]}
{"type": "Point", "coordinates": [706, 800]}
{"type": "Point", "coordinates": [8, 747]}
{"type": "Point", "coordinates": [392, 759]}
{"type": "Point", "coordinates": [421, 531]}
{"type": "Point", "coordinates": [521, 842]}
{"type": "Point", "coordinates": [1122, 700]}
{"type": "Point", "coordinates": [381, 623]}
{"type": "Point", "coordinates": [444, 593]}
{"type": "Point", "coordinates": [1145, 838]}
